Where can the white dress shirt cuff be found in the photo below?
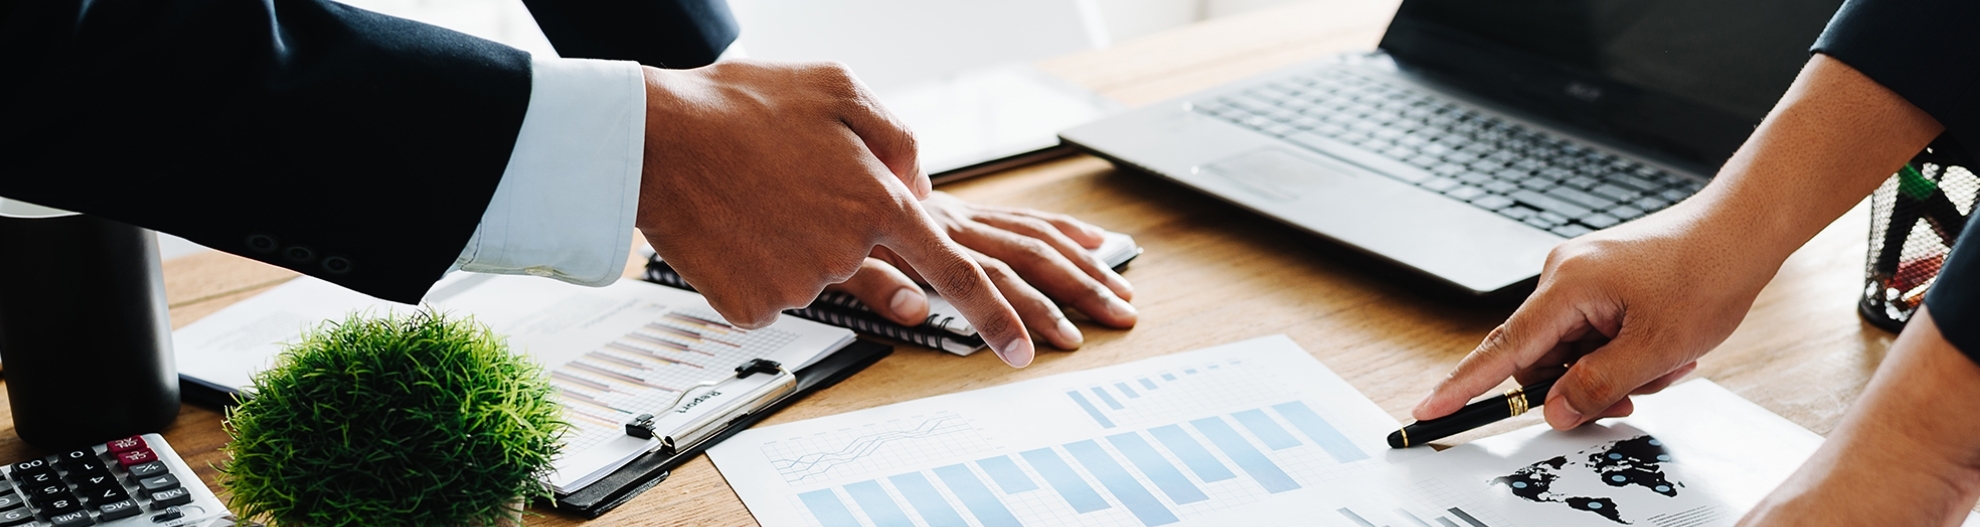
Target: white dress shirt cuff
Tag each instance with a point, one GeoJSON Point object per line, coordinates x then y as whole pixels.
{"type": "Point", "coordinates": [566, 203]}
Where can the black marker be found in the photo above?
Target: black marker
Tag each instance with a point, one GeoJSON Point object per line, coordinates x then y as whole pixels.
{"type": "Point", "coordinates": [1516, 401]}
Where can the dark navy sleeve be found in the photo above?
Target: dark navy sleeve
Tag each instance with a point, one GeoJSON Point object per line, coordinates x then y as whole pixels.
{"type": "Point", "coordinates": [1924, 51]}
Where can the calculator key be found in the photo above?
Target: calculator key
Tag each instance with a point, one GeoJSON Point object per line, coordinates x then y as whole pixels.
{"type": "Point", "coordinates": [11, 500]}
{"type": "Point", "coordinates": [41, 493]}
{"type": "Point", "coordinates": [159, 483]}
{"type": "Point", "coordinates": [134, 457]}
{"type": "Point", "coordinates": [92, 466]}
{"type": "Point", "coordinates": [63, 505]}
{"type": "Point", "coordinates": [73, 519]}
{"type": "Point", "coordinates": [16, 517]}
{"type": "Point", "coordinates": [145, 470]}
{"type": "Point", "coordinates": [31, 466]}
{"type": "Point", "coordinates": [39, 478]}
{"type": "Point", "coordinates": [94, 481]}
{"type": "Point", "coordinates": [167, 498]}
{"type": "Point", "coordinates": [105, 495]}
{"type": "Point", "coordinates": [118, 510]}
{"type": "Point", "coordinates": [126, 444]}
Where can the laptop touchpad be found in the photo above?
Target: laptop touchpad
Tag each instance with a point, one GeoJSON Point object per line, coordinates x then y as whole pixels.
{"type": "Point", "coordinates": [1278, 175]}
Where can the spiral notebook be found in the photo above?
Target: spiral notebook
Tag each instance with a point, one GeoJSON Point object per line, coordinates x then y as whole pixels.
{"type": "Point", "coordinates": [945, 329]}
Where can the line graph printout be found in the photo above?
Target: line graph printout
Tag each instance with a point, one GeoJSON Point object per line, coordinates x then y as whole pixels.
{"type": "Point", "coordinates": [1174, 440]}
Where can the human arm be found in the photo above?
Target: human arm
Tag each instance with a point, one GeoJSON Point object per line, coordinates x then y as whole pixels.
{"type": "Point", "coordinates": [1633, 307]}
{"type": "Point", "coordinates": [1905, 453]}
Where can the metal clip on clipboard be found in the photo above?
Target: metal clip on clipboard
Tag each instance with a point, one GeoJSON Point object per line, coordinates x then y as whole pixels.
{"type": "Point", "coordinates": [693, 432]}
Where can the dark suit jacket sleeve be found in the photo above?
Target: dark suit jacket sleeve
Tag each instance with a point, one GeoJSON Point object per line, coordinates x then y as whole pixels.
{"type": "Point", "coordinates": [1924, 51]}
{"type": "Point", "coordinates": [341, 143]}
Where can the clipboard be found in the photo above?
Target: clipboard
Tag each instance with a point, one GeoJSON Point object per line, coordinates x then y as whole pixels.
{"type": "Point", "coordinates": [652, 468]}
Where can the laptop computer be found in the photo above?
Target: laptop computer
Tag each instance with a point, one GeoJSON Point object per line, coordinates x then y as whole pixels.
{"type": "Point", "coordinates": [1482, 133]}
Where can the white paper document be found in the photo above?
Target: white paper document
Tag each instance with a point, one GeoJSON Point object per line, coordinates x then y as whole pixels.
{"type": "Point", "coordinates": [613, 352]}
{"type": "Point", "coordinates": [1251, 433]}
{"type": "Point", "coordinates": [1168, 440]}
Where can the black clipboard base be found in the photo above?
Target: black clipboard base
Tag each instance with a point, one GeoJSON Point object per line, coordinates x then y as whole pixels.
{"type": "Point", "coordinates": [649, 470]}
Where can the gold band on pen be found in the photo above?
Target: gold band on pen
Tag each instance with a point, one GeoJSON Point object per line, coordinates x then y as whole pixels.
{"type": "Point", "coordinates": [1405, 435]}
{"type": "Point", "coordinates": [1516, 401]}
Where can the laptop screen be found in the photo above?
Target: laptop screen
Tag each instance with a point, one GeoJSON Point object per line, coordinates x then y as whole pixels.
{"type": "Point", "coordinates": [1689, 77]}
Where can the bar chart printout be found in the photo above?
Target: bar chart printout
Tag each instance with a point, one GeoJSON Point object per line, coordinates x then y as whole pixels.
{"type": "Point", "coordinates": [1172, 440]}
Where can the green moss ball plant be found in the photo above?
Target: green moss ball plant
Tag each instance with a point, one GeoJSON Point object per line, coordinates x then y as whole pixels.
{"type": "Point", "coordinates": [421, 419]}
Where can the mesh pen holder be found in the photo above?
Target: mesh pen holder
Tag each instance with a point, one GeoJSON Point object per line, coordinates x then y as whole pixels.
{"type": "Point", "coordinates": [1915, 217]}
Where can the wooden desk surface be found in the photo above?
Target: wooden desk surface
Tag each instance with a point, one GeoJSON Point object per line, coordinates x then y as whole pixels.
{"type": "Point", "coordinates": [1214, 274]}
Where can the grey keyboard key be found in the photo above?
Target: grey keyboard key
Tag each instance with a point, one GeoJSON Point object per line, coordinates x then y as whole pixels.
{"type": "Point", "coordinates": [1541, 223]}
{"type": "Point", "coordinates": [1614, 192]}
{"type": "Point", "coordinates": [1485, 165]}
{"type": "Point", "coordinates": [1474, 178]}
{"type": "Point", "coordinates": [1465, 192]}
{"type": "Point", "coordinates": [1491, 202]}
{"type": "Point", "coordinates": [1537, 184]}
{"type": "Point", "coordinates": [1581, 198]}
{"type": "Point", "coordinates": [1461, 157]}
{"type": "Point", "coordinates": [1674, 195]}
{"type": "Point", "coordinates": [1448, 169]}
{"type": "Point", "coordinates": [1550, 204]}
{"type": "Point", "coordinates": [1440, 184]}
{"type": "Point", "coordinates": [1280, 130]}
{"type": "Point", "coordinates": [1550, 217]}
{"type": "Point", "coordinates": [1400, 152]}
{"type": "Point", "coordinates": [1652, 204]}
{"type": "Point", "coordinates": [1500, 187]}
{"type": "Point", "coordinates": [1626, 212]}
{"type": "Point", "coordinates": [1517, 212]}
{"type": "Point", "coordinates": [1581, 182]}
{"type": "Point", "coordinates": [1570, 230]}
{"type": "Point", "coordinates": [72, 519]}
{"type": "Point", "coordinates": [1599, 220]}
{"type": "Point", "coordinates": [1425, 161]}
{"type": "Point", "coordinates": [1633, 182]}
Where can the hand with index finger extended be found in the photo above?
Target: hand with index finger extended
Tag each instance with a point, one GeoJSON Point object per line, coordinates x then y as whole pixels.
{"type": "Point", "coordinates": [1619, 312]}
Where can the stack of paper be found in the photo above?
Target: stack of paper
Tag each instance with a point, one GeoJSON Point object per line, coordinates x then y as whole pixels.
{"type": "Point", "coordinates": [612, 352]}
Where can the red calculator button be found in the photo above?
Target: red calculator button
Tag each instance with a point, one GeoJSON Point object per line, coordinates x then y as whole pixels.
{"type": "Point", "coordinates": [126, 444]}
{"type": "Point", "coordinates": [142, 455]}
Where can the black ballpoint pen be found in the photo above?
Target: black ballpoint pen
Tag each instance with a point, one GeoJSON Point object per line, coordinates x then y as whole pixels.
{"type": "Point", "coordinates": [1514, 402]}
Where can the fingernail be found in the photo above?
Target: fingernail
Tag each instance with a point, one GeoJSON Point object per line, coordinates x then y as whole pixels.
{"type": "Point", "coordinates": [1120, 308]}
{"type": "Point", "coordinates": [1070, 333]}
{"type": "Point", "coordinates": [1118, 284]}
{"type": "Point", "coordinates": [1559, 412]}
{"type": "Point", "coordinates": [1016, 352]}
{"type": "Point", "coordinates": [908, 302]}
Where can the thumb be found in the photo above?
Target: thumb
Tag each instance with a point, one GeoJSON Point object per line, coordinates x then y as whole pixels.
{"type": "Point", "coordinates": [887, 291]}
{"type": "Point", "coordinates": [1599, 384]}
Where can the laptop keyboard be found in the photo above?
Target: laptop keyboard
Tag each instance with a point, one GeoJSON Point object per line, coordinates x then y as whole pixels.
{"type": "Point", "coordinates": [1528, 175]}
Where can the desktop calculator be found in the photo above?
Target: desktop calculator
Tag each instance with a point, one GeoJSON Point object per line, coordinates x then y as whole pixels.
{"type": "Point", "coordinates": [133, 481]}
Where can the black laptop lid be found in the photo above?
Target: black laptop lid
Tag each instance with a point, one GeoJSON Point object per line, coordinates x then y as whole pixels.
{"type": "Point", "coordinates": [1690, 78]}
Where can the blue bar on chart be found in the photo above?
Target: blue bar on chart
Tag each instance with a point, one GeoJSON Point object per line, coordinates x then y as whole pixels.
{"type": "Point", "coordinates": [828, 509]}
{"type": "Point", "coordinates": [1322, 433]}
{"type": "Point", "coordinates": [1466, 516]}
{"type": "Point", "coordinates": [1106, 397]}
{"type": "Point", "coordinates": [1121, 484]}
{"type": "Point", "coordinates": [1190, 371]}
{"type": "Point", "coordinates": [1007, 474]}
{"type": "Point", "coordinates": [975, 496]}
{"type": "Point", "coordinates": [1192, 453]}
{"type": "Point", "coordinates": [922, 495]}
{"type": "Point", "coordinates": [1151, 463]}
{"type": "Point", "coordinates": [1247, 457]}
{"type": "Point", "coordinates": [1090, 409]}
{"type": "Point", "coordinates": [1145, 383]}
{"type": "Point", "coordinates": [1123, 387]}
{"type": "Point", "coordinates": [1267, 430]}
{"type": "Point", "coordinates": [1063, 480]}
{"type": "Point", "coordinates": [1168, 376]}
{"type": "Point", "coordinates": [878, 505]}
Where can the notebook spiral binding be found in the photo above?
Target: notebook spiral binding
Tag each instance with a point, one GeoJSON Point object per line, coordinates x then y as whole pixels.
{"type": "Point", "coordinates": [843, 310]}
